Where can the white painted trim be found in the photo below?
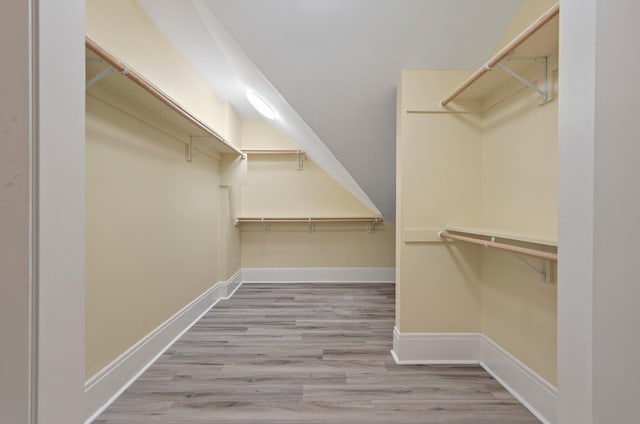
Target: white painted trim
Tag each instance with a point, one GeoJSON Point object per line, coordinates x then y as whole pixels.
{"type": "Point", "coordinates": [110, 382]}
{"type": "Point", "coordinates": [533, 391]}
{"type": "Point", "coordinates": [318, 275]}
{"type": "Point", "coordinates": [436, 348]}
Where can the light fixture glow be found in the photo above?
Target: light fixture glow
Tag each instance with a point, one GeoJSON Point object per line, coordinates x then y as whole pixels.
{"type": "Point", "coordinates": [261, 105]}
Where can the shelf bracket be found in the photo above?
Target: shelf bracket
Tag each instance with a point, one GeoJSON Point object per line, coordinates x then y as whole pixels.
{"type": "Point", "coordinates": [100, 75]}
{"type": "Point", "coordinates": [372, 227]}
{"type": "Point", "coordinates": [544, 91]}
{"type": "Point", "coordinates": [543, 270]}
{"type": "Point", "coordinates": [299, 158]}
{"type": "Point", "coordinates": [311, 226]}
{"type": "Point", "coordinates": [265, 226]}
{"type": "Point", "coordinates": [190, 150]}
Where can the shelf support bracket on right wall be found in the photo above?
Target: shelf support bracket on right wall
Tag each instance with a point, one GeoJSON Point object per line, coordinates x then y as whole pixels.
{"type": "Point", "coordinates": [544, 270]}
{"type": "Point", "coordinates": [544, 91]}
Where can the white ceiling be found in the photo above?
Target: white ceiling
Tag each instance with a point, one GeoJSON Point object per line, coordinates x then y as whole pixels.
{"type": "Point", "coordinates": [330, 67]}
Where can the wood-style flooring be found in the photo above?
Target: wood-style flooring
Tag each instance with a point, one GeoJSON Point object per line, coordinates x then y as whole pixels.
{"type": "Point", "coordinates": [306, 353]}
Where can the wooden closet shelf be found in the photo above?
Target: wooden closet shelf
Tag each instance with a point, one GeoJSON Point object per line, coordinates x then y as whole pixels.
{"type": "Point", "coordinates": [108, 78]}
{"type": "Point", "coordinates": [375, 220]}
{"type": "Point", "coordinates": [273, 152]}
{"type": "Point", "coordinates": [538, 40]}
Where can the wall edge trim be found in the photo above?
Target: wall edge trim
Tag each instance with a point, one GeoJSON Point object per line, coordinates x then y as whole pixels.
{"type": "Point", "coordinates": [110, 382]}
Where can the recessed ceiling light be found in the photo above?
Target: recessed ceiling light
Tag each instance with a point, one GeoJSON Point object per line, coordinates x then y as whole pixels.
{"type": "Point", "coordinates": [261, 105]}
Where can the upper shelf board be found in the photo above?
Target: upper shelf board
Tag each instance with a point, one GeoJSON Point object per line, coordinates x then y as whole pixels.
{"type": "Point", "coordinates": [541, 44]}
{"type": "Point", "coordinates": [117, 86]}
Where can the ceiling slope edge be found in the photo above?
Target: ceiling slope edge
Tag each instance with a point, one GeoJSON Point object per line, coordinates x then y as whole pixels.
{"type": "Point", "coordinates": [288, 122]}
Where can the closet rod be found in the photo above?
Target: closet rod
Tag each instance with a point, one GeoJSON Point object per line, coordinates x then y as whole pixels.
{"type": "Point", "coordinates": [155, 92]}
{"type": "Point", "coordinates": [304, 220]}
{"type": "Point", "coordinates": [516, 42]}
{"type": "Point", "coordinates": [507, 247]}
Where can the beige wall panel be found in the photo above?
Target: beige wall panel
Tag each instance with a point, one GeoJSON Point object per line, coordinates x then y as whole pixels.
{"type": "Point", "coordinates": [440, 171]}
{"type": "Point", "coordinates": [229, 253]}
{"type": "Point", "coordinates": [520, 195]}
{"type": "Point", "coordinates": [519, 312]}
{"type": "Point", "coordinates": [440, 288]}
{"type": "Point", "coordinates": [328, 246]}
{"type": "Point", "coordinates": [124, 30]}
{"type": "Point", "coordinates": [257, 134]}
{"type": "Point", "coordinates": [520, 166]}
{"type": "Point", "coordinates": [151, 231]}
{"type": "Point", "coordinates": [276, 189]}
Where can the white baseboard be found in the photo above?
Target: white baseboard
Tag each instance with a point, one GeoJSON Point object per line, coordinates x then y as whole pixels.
{"type": "Point", "coordinates": [533, 391]}
{"type": "Point", "coordinates": [436, 348]}
{"type": "Point", "coordinates": [109, 383]}
{"type": "Point", "coordinates": [318, 275]}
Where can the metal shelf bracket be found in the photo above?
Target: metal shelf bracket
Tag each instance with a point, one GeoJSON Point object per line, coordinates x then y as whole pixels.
{"type": "Point", "coordinates": [544, 91]}
{"type": "Point", "coordinates": [544, 270]}
{"type": "Point", "coordinates": [299, 157]}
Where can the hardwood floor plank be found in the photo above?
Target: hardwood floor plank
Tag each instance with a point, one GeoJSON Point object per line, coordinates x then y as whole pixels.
{"type": "Point", "coordinates": [306, 354]}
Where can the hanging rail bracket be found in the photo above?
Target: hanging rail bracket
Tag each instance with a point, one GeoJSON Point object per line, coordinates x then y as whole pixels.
{"type": "Point", "coordinates": [543, 270]}
{"type": "Point", "coordinates": [544, 91]}
{"type": "Point", "coordinates": [299, 155]}
{"type": "Point", "coordinates": [99, 76]}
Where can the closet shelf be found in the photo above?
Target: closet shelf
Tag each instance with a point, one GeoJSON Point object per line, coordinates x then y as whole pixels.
{"type": "Point", "coordinates": [106, 74]}
{"type": "Point", "coordinates": [375, 220]}
{"type": "Point", "coordinates": [536, 42]}
{"type": "Point", "coordinates": [504, 235]}
{"type": "Point", "coordinates": [273, 152]}
{"type": "Point", "coordinates": [371, 221]}
{"type": "Point", "coordinates": [299, 154]}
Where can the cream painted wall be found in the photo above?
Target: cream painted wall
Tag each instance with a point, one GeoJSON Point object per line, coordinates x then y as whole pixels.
{"type": "Point", "coordinates": [151, 231]}
{"type": "Point", "coordinates": [123, 29]}
{"type": "Point", "coordinates": [328, 246]}
{"type": "Point", "coordinates": [257, 134]}
{"type": "Point", "coordinates": [276, 189]}
{"type": "Point", "coordinates": [159, 229]}
{"type": "Point", "coordinates": [438, 184]}
{"type": "Point", "coordinates": [496, 170]}
{"type": "Point", "coordinates": [520, 195]}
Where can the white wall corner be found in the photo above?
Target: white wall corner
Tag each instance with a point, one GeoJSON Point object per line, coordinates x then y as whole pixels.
{"type": "Point", "coordinates": [436, 348]}
{"type": "Point", "coordinates": [534, 392]}
{"type": "Point", "coordinates": [318, 275]}
{"type": "Point", "coordinates": [110, 382]}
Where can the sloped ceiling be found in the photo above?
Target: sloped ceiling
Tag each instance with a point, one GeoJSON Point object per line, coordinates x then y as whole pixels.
{"type": "Point", "coordinates": [330, 67]}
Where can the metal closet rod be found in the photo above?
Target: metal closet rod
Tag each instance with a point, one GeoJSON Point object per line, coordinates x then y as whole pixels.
{"type": "Point", "coordinates": [516, 42]}
{"type": "Point", "coordinates": [305, 220]}
{"type": "Point", "coordinates": [507, 247]}
{"type": "Point", "coordinates": [154, 91]}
